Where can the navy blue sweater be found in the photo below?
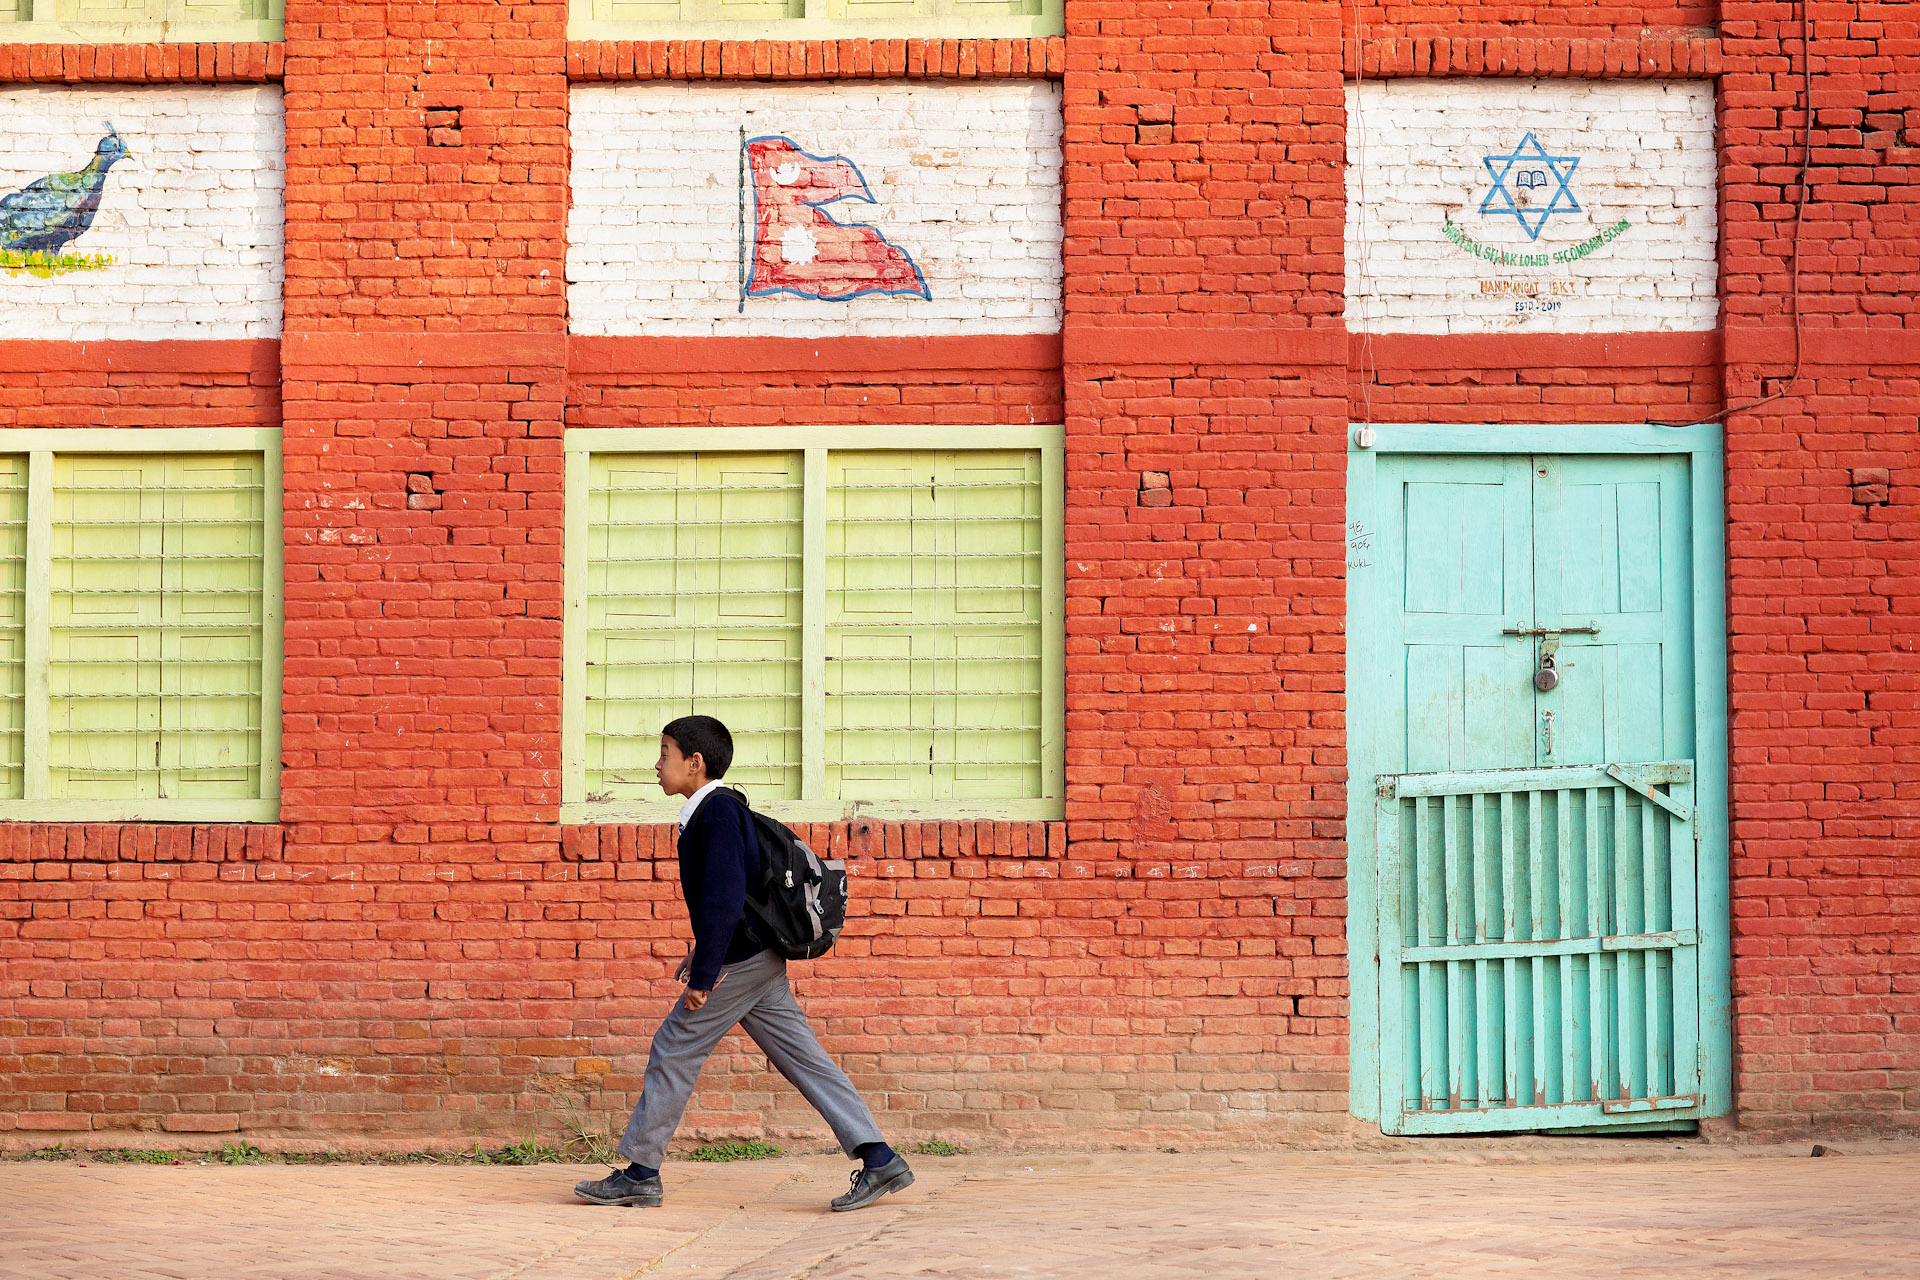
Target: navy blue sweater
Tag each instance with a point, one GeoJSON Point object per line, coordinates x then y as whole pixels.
{"type": "Point", "coordinates": [719, 857]}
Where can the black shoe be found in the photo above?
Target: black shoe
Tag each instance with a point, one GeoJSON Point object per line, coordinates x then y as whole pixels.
{"type": "Point", "coordinates": [868, 1185]}
{"type": "Point", "coordinates": [618, 1188]}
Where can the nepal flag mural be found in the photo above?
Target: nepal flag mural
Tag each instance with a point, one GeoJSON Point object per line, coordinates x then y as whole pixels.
{"type": "Point", "coordinates": [798, 246]}
{"type": "Point", "coordinates": [815, 211]}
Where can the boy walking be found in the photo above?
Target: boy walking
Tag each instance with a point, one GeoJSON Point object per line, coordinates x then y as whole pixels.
{"type": "Point", "coordinates": [731, 978]}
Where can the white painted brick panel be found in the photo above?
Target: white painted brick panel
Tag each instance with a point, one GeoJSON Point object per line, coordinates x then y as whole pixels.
{"type": "Point", "coordinates": [192, 217]}
{"type": "Point", "coordinates": [1646, 156]}
{"type": "Point", "coordinates": [966, 179]}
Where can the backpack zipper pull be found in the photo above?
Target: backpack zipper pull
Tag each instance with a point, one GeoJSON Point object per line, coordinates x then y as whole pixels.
{"type": "Point", "coordinates": [789, 879]}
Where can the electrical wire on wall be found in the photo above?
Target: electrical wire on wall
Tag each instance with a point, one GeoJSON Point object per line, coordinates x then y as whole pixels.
{"type": "Point", "coordinates": [1799, 222]}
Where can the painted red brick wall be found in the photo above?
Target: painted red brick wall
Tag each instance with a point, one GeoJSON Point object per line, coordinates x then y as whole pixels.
{"type": "Point", "coordinates": [421, 951]}
{"type": "Point", "coordinates": [1658, 377]}
{"type": "Point", "coordinates": [426, 167]}
{"type": "Point", "coordinates": [140, 384]}
{"type": "Point", "coordinates": [1453, 18]}
{"type": "Point", "coordinates": [1825, 576]}
{"type": "Point", "coordinates": [1204, 719]}
{"type": "Point", "coordinates": [1205, 462]}
{"type": "Point", "coordinates": [1825, 668]}
{"type": "Point", "coordinates": [758, 382]}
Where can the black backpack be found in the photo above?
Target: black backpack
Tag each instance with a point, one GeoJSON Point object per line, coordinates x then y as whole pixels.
{"type": "Point", "coordinates": [800, 904]}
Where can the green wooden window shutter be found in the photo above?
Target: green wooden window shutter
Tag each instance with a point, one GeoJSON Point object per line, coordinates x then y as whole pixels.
{"type": "Point", "coordinates": [156, 624]}
{"type": "Point", "coordinates": [693, 604]}
{"type": "Point", "coordinates": [933, 625]}
{"type": "Point", "coordinates": [881, 627]}
{"type": "Point", "coordinates": [13, 624]}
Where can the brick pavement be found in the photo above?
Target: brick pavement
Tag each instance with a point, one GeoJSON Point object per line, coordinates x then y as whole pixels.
{"type": "Point", "coordinates": [1681, 1211]}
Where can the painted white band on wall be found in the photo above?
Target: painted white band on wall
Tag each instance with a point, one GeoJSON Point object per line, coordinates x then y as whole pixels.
{"type": "Point", "coordinates": [1492, 206]}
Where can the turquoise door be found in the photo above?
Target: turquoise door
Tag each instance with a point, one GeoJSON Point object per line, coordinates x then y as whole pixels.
{"type": "Point", "coordinates": [1532, 751]}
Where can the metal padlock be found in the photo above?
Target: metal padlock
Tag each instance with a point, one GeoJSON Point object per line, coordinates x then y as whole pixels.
{"type": "Point", "coordinates": [1546, 679]}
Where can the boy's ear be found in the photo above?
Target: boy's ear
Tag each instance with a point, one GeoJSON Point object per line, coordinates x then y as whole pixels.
{"type": "Point", "coordinates": [699, 762]}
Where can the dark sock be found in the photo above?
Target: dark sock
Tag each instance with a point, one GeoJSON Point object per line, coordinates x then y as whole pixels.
{"type": "Point", "coordinates": [640, 1171]}
{"type": "Point", "coordinates": [874, 1154]}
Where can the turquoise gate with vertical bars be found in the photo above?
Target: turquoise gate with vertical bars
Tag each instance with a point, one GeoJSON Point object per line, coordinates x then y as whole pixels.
{"type": "Point", "coordinates": [1537, 883]}
{"type": "Point", "coordinates": [1539, 939]}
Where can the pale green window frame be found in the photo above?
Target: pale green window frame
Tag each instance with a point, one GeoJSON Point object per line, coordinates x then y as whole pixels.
{"type": "Point", "coordinates": [814, 19]}
{"type": "Point", "coordinates": [813, 449]}
{"type": "Point", "coordinates": [49, 543]}
{"type": "Point", "coordinates": [140, 21]}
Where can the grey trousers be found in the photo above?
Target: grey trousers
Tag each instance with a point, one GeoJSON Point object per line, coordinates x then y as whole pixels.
{"type": "Point", "coordinates": [755, 995]}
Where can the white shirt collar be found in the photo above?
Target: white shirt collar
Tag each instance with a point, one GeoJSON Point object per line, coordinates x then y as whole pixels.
{"type": "Point", "coordinates": [688, 809]}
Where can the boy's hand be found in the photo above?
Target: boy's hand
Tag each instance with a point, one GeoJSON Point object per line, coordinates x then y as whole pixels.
{"type": "Point", "coordinates": [685, 970]}
{"type": "Point", "coordinates": [695, 999]}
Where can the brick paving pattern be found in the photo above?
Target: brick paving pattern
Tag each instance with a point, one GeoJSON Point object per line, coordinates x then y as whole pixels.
{"type": "Point", "coordinates": [1101, 1217]}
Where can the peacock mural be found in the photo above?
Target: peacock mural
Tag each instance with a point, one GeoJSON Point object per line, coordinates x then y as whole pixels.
{"type": "Point", "coordinates": [41, 219]}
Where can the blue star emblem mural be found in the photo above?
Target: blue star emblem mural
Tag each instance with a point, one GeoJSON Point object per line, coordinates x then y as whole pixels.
{"type": "Point", "coordinates": [1524, 170]}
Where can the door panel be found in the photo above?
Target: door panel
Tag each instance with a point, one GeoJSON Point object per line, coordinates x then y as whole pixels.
{"type": "Point", "coordinates": [1535, 871]}
{"type": "Point", "coordinates": [1457, 533]}
{"type": "Point", "coordinates": [1612, 553]}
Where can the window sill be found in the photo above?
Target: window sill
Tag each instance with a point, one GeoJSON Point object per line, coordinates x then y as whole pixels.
{"type": "Point", "coordinates": [99, 811]}
{"type": "Point", "coordinates": [240, 32]}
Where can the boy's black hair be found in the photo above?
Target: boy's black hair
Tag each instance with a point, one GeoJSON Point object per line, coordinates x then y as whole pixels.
{"type": "Point", "coordinates": [703, 736]}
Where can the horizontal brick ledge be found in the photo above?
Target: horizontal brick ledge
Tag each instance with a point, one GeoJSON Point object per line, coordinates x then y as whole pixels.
{"type": "Point", "coordinates": [373, 350]}
{"type": "Point", "coordinates": [1377, 351]}
{"type": "Point", "coordinates": [1678, 56]}
{"type": "Point", "coordinates": [141, 841]}
{"type": "Point", "coordinates": [610, 355]}
{"type": "Point", "coordinates": [856, 59]}
{"type": "Point", "coordinates": [861, 838]}
{"type": "Point", "coordinates": [227, 355]}
{"type": "Point", "coordinates": [240, 62]}
{"type": "Point", "coordinates": [1098, 342]}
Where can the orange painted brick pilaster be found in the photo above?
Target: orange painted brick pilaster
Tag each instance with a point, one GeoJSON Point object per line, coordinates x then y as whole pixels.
{"type": "Point", "coordinates": [425, 384]}
{"type": "Point", "coordinates": [1205, 380]}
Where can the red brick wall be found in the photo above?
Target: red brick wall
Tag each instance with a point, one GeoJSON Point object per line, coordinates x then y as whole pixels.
{"type": "Point", "coordinates": [426, 166]}
{"type": "Point", "coordinates": [1825, 669]}
{"type": "Point", "coordinates": [1861, 233]}
{"type": "Point", "coordinates": [420, 950]}
{"type": "Point", "coordinates": [1204, 246]}
{"type": "Point", "coordinates": [1825, 578]}
{"type": "Point", "coordinates": [1203, 179]}
{"type": "Point", "coordinates": [1204, 721]}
